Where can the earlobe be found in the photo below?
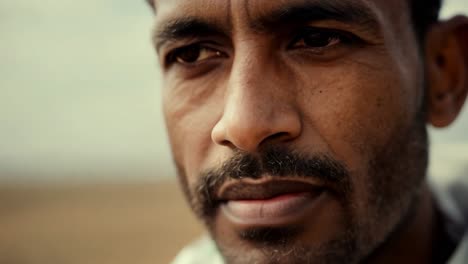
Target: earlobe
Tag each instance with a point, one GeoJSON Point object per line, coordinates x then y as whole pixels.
{"type": "Point", "coordinates": [447, 70]}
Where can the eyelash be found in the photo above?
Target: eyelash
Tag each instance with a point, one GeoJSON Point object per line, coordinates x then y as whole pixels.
{"type": "Point", "coordinates": [333, 39]}
{"type": "Point", "coordinates": [174, 56]}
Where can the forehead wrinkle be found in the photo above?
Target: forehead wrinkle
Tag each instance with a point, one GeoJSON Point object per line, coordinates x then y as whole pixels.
{"type": "Point", "coordinates": [199, 8]}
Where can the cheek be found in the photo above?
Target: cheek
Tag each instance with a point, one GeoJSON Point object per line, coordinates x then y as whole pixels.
{"type": "Point", "coordinates": [355, 108]}
{"type": "Point", "coordinates": [191, 110]}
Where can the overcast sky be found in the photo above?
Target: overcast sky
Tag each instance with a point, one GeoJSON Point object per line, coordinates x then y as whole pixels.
{"type": "Point", "coordinates": [80, 91]}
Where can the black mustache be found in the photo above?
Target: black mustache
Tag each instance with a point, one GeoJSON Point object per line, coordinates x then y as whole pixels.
{"type": "Point", "coordinates": [274, 162]}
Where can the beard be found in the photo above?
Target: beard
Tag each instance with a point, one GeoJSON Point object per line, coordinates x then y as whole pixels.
{"type": "Point", "coordinates": [392, 178]}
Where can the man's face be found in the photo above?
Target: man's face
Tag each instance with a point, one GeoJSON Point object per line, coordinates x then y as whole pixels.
{"type": "Point", "coordinates": [297, 126]}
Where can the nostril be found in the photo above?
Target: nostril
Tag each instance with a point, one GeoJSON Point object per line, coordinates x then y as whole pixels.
{"type": "Point", "coordinates": [227, 143]}
{"type": "Point", "coordinates": [280, 136]}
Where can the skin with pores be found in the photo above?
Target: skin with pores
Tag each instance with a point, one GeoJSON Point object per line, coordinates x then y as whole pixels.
{"type": "Point", "coordinates": [298, 127]}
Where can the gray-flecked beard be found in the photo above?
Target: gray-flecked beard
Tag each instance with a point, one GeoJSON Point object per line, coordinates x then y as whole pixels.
{"type": "Point", "coordinates": [396, 173]}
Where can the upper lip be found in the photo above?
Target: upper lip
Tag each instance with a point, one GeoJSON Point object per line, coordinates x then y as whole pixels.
{"type": "Point", "coordinates": [265, 189]}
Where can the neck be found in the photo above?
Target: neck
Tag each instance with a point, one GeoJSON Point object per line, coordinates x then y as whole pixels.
{"type": "Point", "coordinates": [412, 242]}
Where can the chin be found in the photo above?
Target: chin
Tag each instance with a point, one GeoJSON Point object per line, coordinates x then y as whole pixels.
{"type": "Point", "coordinates": [288, 249]}
{"type": "Point", "coordinates": [322, 235]}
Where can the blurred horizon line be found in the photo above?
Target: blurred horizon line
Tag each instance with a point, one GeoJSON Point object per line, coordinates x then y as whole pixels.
{"type": "Point", "coordinates": [447, 159]}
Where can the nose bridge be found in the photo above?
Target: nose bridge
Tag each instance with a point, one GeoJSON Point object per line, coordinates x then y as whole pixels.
{"type": "Point", "coordinates": [256, 107]}
{"type": "Point", "coordinates": [250, 80]}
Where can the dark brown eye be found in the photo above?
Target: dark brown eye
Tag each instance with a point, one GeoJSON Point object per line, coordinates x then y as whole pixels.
{"type": "Point", "coordinates": [319, 38]}
{"type": "Point", "coordinates": [189, 54]}
{"type": "Point", "coordinates": [194, 53]}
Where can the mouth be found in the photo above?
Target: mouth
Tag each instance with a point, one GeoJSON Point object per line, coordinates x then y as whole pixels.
{"type": "Point", "coordinates": [268, 202]}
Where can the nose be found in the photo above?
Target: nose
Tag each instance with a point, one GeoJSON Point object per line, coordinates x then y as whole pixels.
{"type": "Point", "coordinates": [259, 105]}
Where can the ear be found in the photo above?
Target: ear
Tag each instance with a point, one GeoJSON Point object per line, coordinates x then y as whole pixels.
{"type": "Point", "coordinates": [447, 70]}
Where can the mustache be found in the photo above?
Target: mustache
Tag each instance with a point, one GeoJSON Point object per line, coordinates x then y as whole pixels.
{"type": "Point", "coordinates": [274, 162]}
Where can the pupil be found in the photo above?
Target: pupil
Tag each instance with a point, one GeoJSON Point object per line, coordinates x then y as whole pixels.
{"type": "Point", "coordinates": [190, 54]}
{"type": "Point", "coordinates": [316, 40]}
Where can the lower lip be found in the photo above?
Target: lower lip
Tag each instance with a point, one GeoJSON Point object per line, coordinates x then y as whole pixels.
{"type": "Point", "coordinates": [279, 210]}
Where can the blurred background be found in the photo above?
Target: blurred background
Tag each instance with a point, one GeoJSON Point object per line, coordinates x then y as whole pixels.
{"type": "Point", "coordinates": [86, 174]}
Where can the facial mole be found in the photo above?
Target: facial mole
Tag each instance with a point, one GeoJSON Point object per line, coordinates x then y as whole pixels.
{"type": "Point", "coordinates": [379, 102]}
{"type": "Point", "coordinates": [440, 60]}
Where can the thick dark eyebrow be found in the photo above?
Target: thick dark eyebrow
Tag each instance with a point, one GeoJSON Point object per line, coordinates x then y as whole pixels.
{"type": "Point", "coordinates": [317, 10]}
{"type": "Point", "coordinates": [184, 28]}
{"type": "Point", "coordinates": [282, 17]}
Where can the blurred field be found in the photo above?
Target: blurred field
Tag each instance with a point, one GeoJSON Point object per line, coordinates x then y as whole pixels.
{"type": "Point", "coordinates": [138, 223]}
{"type": "Point", "coordinates": [121, 223]}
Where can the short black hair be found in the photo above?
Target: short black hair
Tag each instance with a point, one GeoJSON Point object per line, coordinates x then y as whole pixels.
{"type": "Point", "coordinates": [424, 14]}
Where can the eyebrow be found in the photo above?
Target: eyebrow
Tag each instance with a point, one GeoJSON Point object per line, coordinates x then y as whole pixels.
{"type": "Point", "coordinates": [183, 28]}
{"type": "Point", "coordinates": [283, 16]}
{"type": "Point", "coordinates": [318, 10]}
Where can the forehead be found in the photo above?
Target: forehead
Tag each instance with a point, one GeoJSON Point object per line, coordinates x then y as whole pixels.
{"type": "Point", "coordinates": [241, 12]}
